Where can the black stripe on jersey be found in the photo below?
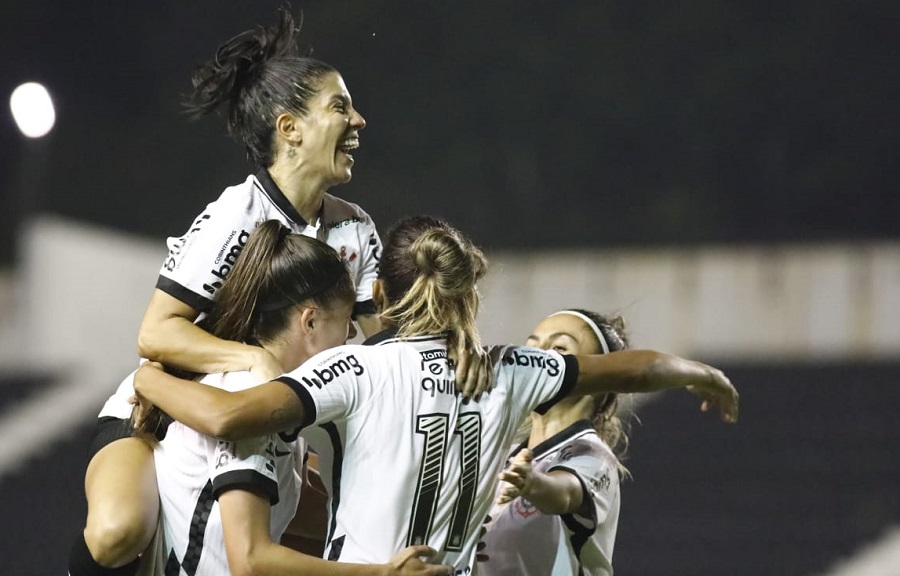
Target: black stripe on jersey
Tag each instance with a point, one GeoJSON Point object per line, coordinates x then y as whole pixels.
{"type": "Point", "coordinates": [580, 534]}
{"type": "Point", "coordinates": [196, 533]}
{"type": "Point", "coordinates": [309, 406]}
{"type": "Point", "coordinates": [569, 380]}
{"type": "Point", "coordinates": [364, 308]}
{"type": "Point", "coordinates": [588, 511]}
{"type": "Point", "coordinates": [337, 464]}
{"type": "Point", "coordinates": [271, 189]}
{"type": "Point", "coordinates": [249, 480]}
{"type": "Point", "coordinates": [179, 292]}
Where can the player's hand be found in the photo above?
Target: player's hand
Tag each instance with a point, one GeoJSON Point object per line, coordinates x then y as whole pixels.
{"type": "Point", "coordinates": [519, 476]}
{"type": "Point", "coordinates": [474, 373]}
{"type": "Point", "coordinates": [480, 556]}
{"type": "Point", "coordinates": [142, 407]}
{"type": "Point", "coordinates": [717, 391]}
{"type": "Point", "coordinates": [410, 562]}
{"type": "Point", "coordinates": [265, 366]}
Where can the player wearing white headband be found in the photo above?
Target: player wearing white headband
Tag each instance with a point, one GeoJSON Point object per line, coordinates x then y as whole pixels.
{"type": "Point", "coordinates": [558, 511]}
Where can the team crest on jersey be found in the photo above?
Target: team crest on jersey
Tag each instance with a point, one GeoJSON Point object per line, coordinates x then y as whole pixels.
{"type": "Point", "coordinates": [546, 362]}
{"type": "Point", "coordinates": [524, 508]}
{"type": "Point", "coordinates": [344, 256]}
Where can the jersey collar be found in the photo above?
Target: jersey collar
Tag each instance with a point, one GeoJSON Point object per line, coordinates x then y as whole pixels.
{"type": "Point", "coordinates": [560, 437]}
{"type": "Point", "coordinates": [376, 339]}
{"type": "Point", "coordinates": [278, 198]}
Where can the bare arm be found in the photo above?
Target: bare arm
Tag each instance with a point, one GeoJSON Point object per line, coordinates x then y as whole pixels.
{"type": "Point", "coordinates": [630, 371]}
{"type": "Point", "coordinates": [168, 335]}
{"type": "Point", "coordinates": [266, 409]}
{"type": "Point", "coordinates": [251, 552]}
{"type": "Point", "coordinates": [554, 492]}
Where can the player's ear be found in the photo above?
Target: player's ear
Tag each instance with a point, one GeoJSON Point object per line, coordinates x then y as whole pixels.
{"type": "Point", "coordinates": [379, 296]}
{"type": "Point", "coordinates": [308, 319]}
{"type": "Point", "coordinates": [288, 127]}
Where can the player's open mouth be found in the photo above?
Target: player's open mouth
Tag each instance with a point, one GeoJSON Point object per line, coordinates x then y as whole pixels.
{"type": "Point", "coordinates": [348, 145]}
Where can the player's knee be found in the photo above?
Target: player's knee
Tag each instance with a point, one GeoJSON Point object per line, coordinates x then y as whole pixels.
{"type": "Point", "coordinates": [115, 541]}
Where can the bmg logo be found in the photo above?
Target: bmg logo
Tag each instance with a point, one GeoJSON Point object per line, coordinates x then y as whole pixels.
{"type": "Point", "coordinates": [329, 373]}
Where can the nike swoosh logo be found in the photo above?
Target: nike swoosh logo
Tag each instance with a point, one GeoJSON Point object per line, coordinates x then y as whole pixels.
{"type": "Point", "coordinates": [277, 453]}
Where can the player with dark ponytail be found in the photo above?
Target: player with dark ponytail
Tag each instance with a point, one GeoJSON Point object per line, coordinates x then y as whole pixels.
{"type": "Point", "coordinates": [295, 118]}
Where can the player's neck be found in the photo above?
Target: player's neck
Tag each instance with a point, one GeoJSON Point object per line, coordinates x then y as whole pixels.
{"type": "Point", "coordinates": [303, 193]}
{"type": "Point", "coordinates": [558, 418]}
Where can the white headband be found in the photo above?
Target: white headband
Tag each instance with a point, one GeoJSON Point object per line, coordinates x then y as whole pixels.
{"type": "Point", "coordinates": [593, 326]}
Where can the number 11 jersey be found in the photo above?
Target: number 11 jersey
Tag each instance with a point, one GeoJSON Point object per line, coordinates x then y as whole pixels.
{"type": "Point", "coordinates": [405, 459]}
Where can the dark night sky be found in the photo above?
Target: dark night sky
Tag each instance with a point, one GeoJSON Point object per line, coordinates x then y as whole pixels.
{"type": "Point", "coordinates": [586, 123]}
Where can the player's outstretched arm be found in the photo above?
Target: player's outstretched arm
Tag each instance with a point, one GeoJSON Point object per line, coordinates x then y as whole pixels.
{"type": "Point", "coordinates": [628, 371]}
{"type": "Point", "coordinates": [251, 551]}
{"type": "Point", "coordinates": [168, 335]}
{"type": "Point", "coordinates": [266, 409]}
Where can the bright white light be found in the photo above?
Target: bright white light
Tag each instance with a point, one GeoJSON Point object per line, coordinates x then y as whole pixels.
{"type": "Point", "coordinates": [32, 109]}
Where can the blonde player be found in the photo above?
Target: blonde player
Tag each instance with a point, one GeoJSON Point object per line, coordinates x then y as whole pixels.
{"type": "Point", "coordinates": [406, 459]}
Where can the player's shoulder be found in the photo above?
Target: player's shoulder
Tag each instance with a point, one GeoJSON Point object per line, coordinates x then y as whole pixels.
{"type": "Point", "coordinates": [338, 213]}
{"type": "Point", "coordinates": [512, 357]}
{"type": "Point", "coordinates": [590, 444]}
{"type": "Point", "coordinates": [232, 381]}
{"type": "Point", "coordinates": [235, 203]}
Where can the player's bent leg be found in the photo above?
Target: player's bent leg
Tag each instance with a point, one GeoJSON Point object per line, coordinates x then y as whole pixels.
{"type": "Point", "coordinates": [123, 502]}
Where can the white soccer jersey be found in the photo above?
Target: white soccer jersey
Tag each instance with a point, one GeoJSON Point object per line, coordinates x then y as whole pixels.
{"type": "Point", "coordinates": [199, 261]}
{"type": "Point", "coordinates": [405, 460]}
{"type": "Point", "coordinates": [193, 469]}
{"type": "Point", "coordinates": [523, 541]}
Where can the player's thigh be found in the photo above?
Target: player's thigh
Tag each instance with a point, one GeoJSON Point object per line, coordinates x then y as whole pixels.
{"type": "Point", "coordinates": [120, 485]}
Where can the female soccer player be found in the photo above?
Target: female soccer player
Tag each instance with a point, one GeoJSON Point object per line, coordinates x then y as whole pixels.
{"type": "Point", "coordinates": [407, 460]}
{"type": "Point", "coordinates": [225, 505]}
{"type": "Point", "coordinates": [296, 120]}
{"type": "Point", "coordinates": [559, 506]}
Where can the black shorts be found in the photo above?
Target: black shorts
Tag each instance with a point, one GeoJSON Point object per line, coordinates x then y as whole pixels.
{"type": "Point", "coordinates": [110, 429]}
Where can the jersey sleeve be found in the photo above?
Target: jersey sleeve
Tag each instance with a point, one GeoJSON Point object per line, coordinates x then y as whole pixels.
{"type": "Point", "coordinates": [597, 472]}
{"type": "Point", "coordinates": [538, 379]}
{"type": "Point", "coordinates": [370, 254]}
{"type": "Point", "coordinates": [200, 260]}
{"type": "Point", "coordinates": [247, 465]}
{"type": "Point", "coordinates": [331, 385]}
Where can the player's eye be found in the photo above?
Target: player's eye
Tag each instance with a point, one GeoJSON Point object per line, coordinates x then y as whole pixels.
{"type": "Point", "coordinates": [560, 349]}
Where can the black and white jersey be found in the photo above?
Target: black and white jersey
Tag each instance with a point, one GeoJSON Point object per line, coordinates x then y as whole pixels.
{"type": "Point", "coordinates": [200, 260]}
{"type": "Point", "coordinates": [523, 541]}
{"type": "Point", "coordinates": [192, 470]}
{"type": "Point", "coordinates": [405, 460]}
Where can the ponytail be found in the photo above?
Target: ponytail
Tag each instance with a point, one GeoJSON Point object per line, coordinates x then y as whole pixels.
{"type": "Point", "coordinates": [257, 75]}
{"type": "Point", "coordinates": [430, 271]}
{"type": "Point", "coordinates": [275, 271]}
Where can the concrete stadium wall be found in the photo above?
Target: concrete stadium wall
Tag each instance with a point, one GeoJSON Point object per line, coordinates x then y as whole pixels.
{"type": "Point", "coordinates": [80, 293]}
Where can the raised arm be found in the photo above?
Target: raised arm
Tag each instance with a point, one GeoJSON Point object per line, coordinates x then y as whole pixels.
{"type": "Point", "coordinates": [266, 409]}
{"type": "Point", "coordinates": [630, 371]}
{"type": "Point", "coordinates": [168, 335]}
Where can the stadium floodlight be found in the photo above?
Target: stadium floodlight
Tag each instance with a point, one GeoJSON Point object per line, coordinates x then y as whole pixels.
{"type": "Point", "coordinates": [32, 109]}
